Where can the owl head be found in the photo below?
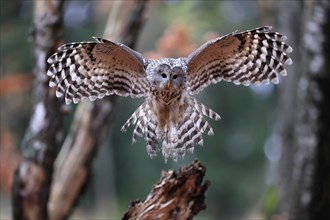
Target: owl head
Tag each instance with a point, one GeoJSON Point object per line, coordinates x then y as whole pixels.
{"type": "Point", "coordinates": [167, 73]}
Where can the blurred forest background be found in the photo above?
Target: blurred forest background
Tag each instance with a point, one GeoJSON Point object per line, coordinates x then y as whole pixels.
{"type": "Point", "coordinates": [243, 156]}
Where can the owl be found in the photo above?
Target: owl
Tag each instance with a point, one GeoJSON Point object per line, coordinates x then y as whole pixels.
{"type": "Point", "coordinates": [170, 119]}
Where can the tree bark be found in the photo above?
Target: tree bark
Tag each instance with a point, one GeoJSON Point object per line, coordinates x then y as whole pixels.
{"type": "Point", "coordinates": [177, 196]}
{"type": "Point", "coordinates": [307, 137]}
{"type": "Point", "coordinates": [41, 143]}
{"type": "Point", "coordinates": [292, 27]}
{"type": "Point", "coordinates": [91, 120]}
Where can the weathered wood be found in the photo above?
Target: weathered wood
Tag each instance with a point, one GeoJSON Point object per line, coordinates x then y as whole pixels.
{"type": "Point", "coordinates": [177, 196]}
{"type": "Point", "coordinates": [42, 139]}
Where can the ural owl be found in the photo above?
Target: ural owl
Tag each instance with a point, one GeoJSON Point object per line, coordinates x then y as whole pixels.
{"type": "Point", "coordinates": [170, 114]}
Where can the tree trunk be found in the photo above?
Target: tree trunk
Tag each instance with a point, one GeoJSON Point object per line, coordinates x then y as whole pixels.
{"type": "Point", "coordinates": [292, 27]}
{"type": "Point", "coordinates": [91, 120]}
{"type": "Point", "coordinates": [305, 163]}
{"type": "Point", "coordinates": [41, 143]}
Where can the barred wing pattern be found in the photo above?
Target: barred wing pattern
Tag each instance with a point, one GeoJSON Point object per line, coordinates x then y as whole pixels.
{"type": "Point", "coordinates": [170, 116]}
{"type": "Point", "coordinates": [95, 69]}
{"type": "Point", "coordinates": [255, 56]}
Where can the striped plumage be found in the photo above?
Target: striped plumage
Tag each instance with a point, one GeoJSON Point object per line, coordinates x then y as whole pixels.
{"type": "Point", "coordinates": [96, 69]}
{"type": "Point", "coordinates": [170, 116]}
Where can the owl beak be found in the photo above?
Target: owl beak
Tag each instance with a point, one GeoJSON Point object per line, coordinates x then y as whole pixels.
{"type": "Point", "coordinates": [168, 85]}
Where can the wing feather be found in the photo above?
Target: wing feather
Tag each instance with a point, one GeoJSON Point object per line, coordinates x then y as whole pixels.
{"type": "Point", "coordinates": [95, 69]}
{"type": "Point", "coordinates": [254, 56]}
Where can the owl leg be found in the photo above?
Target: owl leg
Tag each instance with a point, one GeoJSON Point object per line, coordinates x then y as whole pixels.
{"type": "Point", "coordinates": [159, 133]}
{"type": "Point", "coordinates": [172, 134]}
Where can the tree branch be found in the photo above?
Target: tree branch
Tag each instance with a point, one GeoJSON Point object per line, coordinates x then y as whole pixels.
{"type": "Point", "coordinates": [177, 196]}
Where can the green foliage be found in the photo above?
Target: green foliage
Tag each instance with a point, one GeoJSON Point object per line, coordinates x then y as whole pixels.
{"type": "Point", "coordinates": [271, 201]}
{"type": "Point", "coordinates": [202, 16]}
{"type": "Point", "coordinates": [15, 51]}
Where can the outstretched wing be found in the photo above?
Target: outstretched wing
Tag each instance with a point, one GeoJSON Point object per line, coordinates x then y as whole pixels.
{"type": "Point", "coordinates": [254, 56]}
{"type": "Point", "coordinates": [96, 69]}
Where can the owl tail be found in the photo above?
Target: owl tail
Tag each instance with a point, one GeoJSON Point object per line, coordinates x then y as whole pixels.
{"type": "Point", "coordinates": [145, 127]}
{"type": "Point", "coordinates": [179, 139]}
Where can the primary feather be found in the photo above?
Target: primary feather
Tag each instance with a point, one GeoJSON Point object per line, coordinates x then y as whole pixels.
{"type": "Point", "coordinates": [170, 116]}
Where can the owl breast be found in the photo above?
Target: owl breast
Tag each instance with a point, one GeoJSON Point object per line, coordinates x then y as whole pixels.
{"type": "Point", "coordinates": [168, 106]}
{"type": "Point", "coordinates": [167, 97]}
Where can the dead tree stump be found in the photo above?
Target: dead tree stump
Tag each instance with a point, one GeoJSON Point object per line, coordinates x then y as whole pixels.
{"type": "Point", "coordinates": [177, 196]}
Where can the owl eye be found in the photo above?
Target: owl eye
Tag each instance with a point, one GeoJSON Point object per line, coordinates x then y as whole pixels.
{"type": "Point", "coordinates": [174, 76]}
{"type": "Point", "coordinates": [163, 75]}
